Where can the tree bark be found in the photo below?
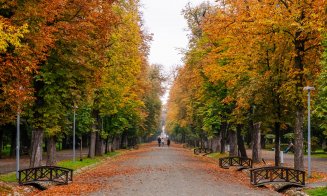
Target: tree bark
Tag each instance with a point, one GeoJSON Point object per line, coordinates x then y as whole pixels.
{"type": "Point", "coordinates": [299, 49]}
{"type": "Point", "coordinates": [107, 145]}
{"type": "Point", "coordinates": [98, 144]}
{"type": "Point", "coordinates": [92, 144]}
{"type": "Point", "coordinates": [36, 147]}
{"type": "Point", "coordinates": [51, 151]}
{"type": "Point", "coordinates": [277, 143]}
{"type": "Point", "coordinates": [256, 147]}
{"type": "Point", "coordinates": [113, 147]}
{"type": "Point", "coordinates": [240, 141]}
{"type": "Point", "coordinates": [124, 141]}
{"type": "Point", "coordinates": [298, 141]}
{"type": "Point", "coordinates": [116, 143]}
{"type": "Point", "coordinates": [81, 149]}
{"type": "Point", "coordinates": [233, 144]}
{"type": "Point", "coordinates": [217, 143]}
{"type": "Point", "coordinates": [223, 130]}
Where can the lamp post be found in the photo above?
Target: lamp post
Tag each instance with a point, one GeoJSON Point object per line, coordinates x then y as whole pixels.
{"type": "Point", "coordinates": [309, 88]}
{"type": "Point", "coordinates": [17, 143]}
{"type": "Point", "coordinates": [74, 127]}
{"type": "Point", "coordinates": [18, 134]}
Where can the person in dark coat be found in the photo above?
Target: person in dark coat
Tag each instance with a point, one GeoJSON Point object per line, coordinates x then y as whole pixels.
{"type": "Point", "coordinates": [168, 142]}
{"type": "Point", "coordinates": [159, 141]}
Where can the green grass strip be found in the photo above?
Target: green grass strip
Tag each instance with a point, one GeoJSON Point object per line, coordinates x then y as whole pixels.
{"type": "Point", "coordinates": [85, 162]}
{"type": "Point", "coordinates": [317, 191]}
{"type": "Point", "coordinates": [10, 177]}
{"type": "Point", "coordinates": [217, 155]}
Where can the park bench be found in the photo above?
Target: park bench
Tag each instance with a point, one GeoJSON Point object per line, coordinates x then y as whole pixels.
{"type": "Point", "coordinates": [36, 175]}
{"type": "Point", "coordinates": [198, 151]}
{"type": "Point", "coordinates": [240, 162]}
{"type": "Point", "coordinates": [276, 174]}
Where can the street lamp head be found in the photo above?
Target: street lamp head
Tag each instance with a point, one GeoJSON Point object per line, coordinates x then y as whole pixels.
{"type": "Point", "coordinates": [308, 88]}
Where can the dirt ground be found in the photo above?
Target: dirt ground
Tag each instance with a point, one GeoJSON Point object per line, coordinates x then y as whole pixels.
{"type": "Point", "coordinates": [153, 170]}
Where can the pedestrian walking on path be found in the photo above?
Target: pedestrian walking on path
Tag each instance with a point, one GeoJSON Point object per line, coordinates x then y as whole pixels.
{"type": "Point", "coordinates": [168, 142]}
{"type": "Point", "coordinates": [159, 141]}
{"type": "Point", "coordinates": [290, 146]}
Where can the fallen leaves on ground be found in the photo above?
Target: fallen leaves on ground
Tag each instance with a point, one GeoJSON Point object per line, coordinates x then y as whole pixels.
{"type": "Point", "coordinates": [102, 177]}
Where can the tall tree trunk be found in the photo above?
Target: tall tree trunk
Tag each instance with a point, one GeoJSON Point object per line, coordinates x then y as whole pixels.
{"type": "Point", "coordinates": [113, 147]}
{"type": "Point", "coordinates": [217, 143]}
{"type": "Point", "coordinates": [299, 47]}
{"type": "Point", "coordinates": [240, 141]}
{"type": "Point", "coordinates": [98, 144]}
{"type": "Point", "coordinates": [107, 145]}
{"type": "Point", "coordinates": [116, 143]}
{"type": "Point", "coordinates": [92, 144]}
{"type": "Point", "coordinates": [51, 151]}
{"type": "Point", "coordinates": [233, 144]}
{"type": "Point", "coordinates": [256, 147]}
{"type": "Point", "coordinates": [223, 130]}
{"type": "Point", "coordinates": [81, 149]}
{"type": "Point", "coordinates": [298, 141]}
{"type": "Point", "coordinates": [277, 143]}
{"type": "Point", "coordinates": [124, 141]}
{"type": "Point", "coordinates": [36, 147]}
{"type": "Point", "coordinates": [250, 133]}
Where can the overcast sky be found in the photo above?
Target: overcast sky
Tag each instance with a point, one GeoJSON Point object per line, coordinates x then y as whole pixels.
{"type": "Point", "coordinates": [164, 20]}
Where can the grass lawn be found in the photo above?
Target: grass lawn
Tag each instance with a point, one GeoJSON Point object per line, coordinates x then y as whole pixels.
{"type": "Point", "coordinates": [10, 177]}
{"type": "Point", "coordinates": [217, 155]}
{"type": "Point", "coordinates": [85, 162]}
{"type": "Point", "coordinates": [317, 191]}
{"type": "Point", "coordinates": [318, 154]}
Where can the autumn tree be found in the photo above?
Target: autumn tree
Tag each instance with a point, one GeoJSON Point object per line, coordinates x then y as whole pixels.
{"type": "Point", "coordinates": [263, 53]}
{"type": "Point", "coordinates": [17, 66]}
{"type": "Point", "coordinates": [57, 31]}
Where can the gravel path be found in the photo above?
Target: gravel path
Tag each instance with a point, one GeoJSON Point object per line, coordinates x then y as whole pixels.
{"type": "Point", "coordinates": [171, 171]}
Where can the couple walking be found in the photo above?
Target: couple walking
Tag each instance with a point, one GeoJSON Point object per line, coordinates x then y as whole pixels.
{"type": "Point", "coordinates": [161, 141]}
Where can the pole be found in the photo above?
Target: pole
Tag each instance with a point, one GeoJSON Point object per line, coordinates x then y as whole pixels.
{"type": "Point", "coordinates": [17, 144]}
{"type": "Point", "coordinates": [309, 88]}
{"type": "Point", "coordinates": [74, 136]}
{"type": "Point", "coordinates": [309, 137]}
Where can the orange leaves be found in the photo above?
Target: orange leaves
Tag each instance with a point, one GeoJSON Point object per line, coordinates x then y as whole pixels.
{"type": "Point", "coordinates": [260, 51]}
